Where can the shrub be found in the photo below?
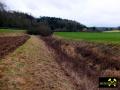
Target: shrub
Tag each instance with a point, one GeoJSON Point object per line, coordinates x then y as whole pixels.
{"type": "Point", "coordinates": [40, 29]}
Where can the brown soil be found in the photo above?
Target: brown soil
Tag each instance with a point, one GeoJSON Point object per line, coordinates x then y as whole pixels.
{"type": "Point", "coordinates": [33, 67]}
{"type": "Point", "coordinates": [9, 44]}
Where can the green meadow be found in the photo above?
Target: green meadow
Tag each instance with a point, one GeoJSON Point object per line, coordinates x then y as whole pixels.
{"type": "Point", "coordinates": [109, 37]}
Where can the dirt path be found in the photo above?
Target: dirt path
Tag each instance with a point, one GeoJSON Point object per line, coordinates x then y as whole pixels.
{"type": "Point", "coordinates": [32, 67]}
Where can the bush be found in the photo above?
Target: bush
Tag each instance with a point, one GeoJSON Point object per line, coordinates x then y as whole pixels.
{"type": "Point", "coordinates": [40, 29]}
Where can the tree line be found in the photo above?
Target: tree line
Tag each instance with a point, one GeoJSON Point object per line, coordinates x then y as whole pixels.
{"type": "Point", "coordinates": [58, 24]}
{"type": "Point", "coordinates": [13, 19]}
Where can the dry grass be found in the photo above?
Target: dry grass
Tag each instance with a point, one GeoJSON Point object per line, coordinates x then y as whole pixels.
{"type": "Point", "coordinates": [85, 62]}
{"type": "Point", "coordinates": [32, 67]}
{"type": "Point", "coordinates": [67, 66]}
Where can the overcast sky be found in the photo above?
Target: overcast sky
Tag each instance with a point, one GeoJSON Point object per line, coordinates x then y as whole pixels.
{"type": "Point", "coordinates": [88, 12]}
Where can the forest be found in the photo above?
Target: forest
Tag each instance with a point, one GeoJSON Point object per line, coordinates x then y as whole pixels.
{"type": "Point", "coordinates": [14, 19]}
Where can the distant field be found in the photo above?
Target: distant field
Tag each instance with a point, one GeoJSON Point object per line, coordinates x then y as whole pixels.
{"type": "Point", "coordinates": [112, 37]}
{"type": "Point", "coordinates": [113, 31]}
{"type": "Point", "coordinates": [11, 30]}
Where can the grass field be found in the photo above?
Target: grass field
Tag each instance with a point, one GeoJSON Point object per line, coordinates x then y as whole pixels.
{"type": "Point", "coordinates": [11, 31]}
{"type": "Point", "coordinates": [112, 37]}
